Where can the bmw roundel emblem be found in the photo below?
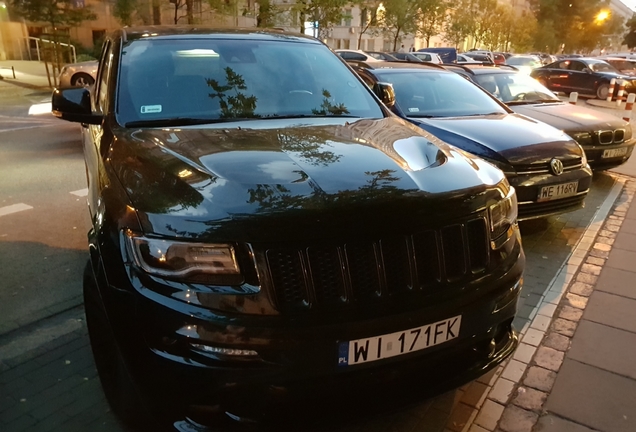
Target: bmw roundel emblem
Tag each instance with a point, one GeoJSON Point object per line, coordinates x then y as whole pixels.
{"type": "Point", "coordinates": [556, 166]}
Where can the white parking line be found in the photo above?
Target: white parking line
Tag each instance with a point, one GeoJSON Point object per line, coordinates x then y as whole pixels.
{"type": "Point", "coordinates": [81, 192]}
{"type": "Point", "coordinates": [14, 209]}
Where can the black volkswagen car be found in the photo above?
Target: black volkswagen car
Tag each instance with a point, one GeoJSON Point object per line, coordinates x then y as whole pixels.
{"type": "Point", "coordinates": [548, 168]}
{"type": "Point", "coordinates": [270, 244]}
{"type": "Point", "coordinates": [606, 139]}
{"type": "Point", "coordinates": [589, 76]}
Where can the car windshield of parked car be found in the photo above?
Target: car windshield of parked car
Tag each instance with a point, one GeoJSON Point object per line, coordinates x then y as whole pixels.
{"type": "Point", "coordinates": [424, 93]}
{"type": "Point", "coordinates": [623, 65]}
{"type": "Point", "coordinates": [516, 88]}
{"type": "Point", "coordinates": [192, 81]}
{"type": "Point", "coordinates": [523, 61]}
{"type": "Point", "coordinates": [602, 67]}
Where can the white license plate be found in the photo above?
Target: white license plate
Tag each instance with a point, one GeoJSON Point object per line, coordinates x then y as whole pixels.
{"type": "Point", "coordinates": [399, 343]}
{"type": "Point", "coordinates": [611, 153]}
{"type": "Point", "coordinates": [557, 191]}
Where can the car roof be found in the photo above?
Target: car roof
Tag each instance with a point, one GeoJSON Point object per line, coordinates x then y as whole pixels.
{"type": "Point", "coordinates": [190, 32]}
{"type": "Point", "coordinates": [481, 69]}
{"type": "Point", "coordinates": [396, 65]}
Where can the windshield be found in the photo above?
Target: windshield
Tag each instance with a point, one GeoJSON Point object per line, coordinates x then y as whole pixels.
{"type": "Point", "coordinates": [603, 67]}
{"type": "Point", "coordinates": [423, 93]}
{"type": "Point", "coordinates": [188, 81]}
{"type": "Point", "coordinates": [523, 61]}
{"type": "Point", "coordinates": [515, 88]}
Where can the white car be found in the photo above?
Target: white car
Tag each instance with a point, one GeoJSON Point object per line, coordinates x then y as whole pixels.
{"type": "Point", "coordinates": [461, 58]}
{"type": "Point", "coordinates": [356, 55]}
{"type": "Point", "coordinates": [525, 63]}
{"type": "Point", "coordinates": [78, 74]}
{"type": "Point", "coordinates": [428, 57]}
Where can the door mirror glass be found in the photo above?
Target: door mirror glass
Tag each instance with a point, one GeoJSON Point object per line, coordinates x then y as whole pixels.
{"type": "Point", "coordinates": [386, 93]}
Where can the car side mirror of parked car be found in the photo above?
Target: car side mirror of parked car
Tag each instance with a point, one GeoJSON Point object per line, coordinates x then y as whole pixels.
{"type": "Point", "coordinates": [74, 104]}
{"type": "Point", "coordinates": [386, 93]}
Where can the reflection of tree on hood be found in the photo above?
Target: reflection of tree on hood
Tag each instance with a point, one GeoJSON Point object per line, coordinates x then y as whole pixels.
{"type": "Point", "coordinates": [308, 145]}
{"type": "Point", "coordinates": [279, 197]}
{"type": "Point", "coordinates": [233, 106]}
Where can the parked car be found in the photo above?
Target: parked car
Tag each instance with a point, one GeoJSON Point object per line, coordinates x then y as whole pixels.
{"type": "Point", "coordinates": [606, 139]}
{"type": "Point", "coordinates": [548, 168]}
{"type": "Point", "coordinates": [359, 55]}
{"type": "Point", "coordinates": [480, 57]}
{"type": "Point", "coordinates": [411, 57]}
{"type": "Point", "coordinates": [584, 75]}
{"type": "Point", "coordinates": [461, 58]}
{"type": "Point", "coordinates": [270, 243]}
{"type": "Point", "coordinates": [78, 74]}
{"type": "Point", "coordinates": [446, 54]}
{"type": "Point", "coordinates": [380, 55]}
{"type": "Point", "coordinates": [498, 58]}
{"type": "Point", "coordinates": [428, 57]}
{"type": "Point", "coordinates": [624, 66]}
{"type": "Point", "coordinates": [525, 63]}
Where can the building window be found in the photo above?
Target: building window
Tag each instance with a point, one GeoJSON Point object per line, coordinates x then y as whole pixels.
{"type": "Point", "coordinates": [347, 18]}
{"type": "Point", "coordinates": [370, 44]}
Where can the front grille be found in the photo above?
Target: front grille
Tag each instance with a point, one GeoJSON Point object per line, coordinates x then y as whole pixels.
{"type": "Point", "coordinates": [336, 275]}
{"type": "Point", "coordinates": [606, 137]}
{"type": "Point", "coordinates": [532, 210]}
{"type": "Point", "coordinates": [544, 167]}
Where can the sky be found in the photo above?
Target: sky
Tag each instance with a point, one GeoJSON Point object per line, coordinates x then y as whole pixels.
{"type": "Point", "coordinates": [630, 3]}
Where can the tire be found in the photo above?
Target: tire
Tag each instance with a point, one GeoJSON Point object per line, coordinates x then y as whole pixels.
{"type": "Point", "coordinates": [82, 80]}
{"type": "Point", "coordinates": [121, 393]}
{"type": "Point", "coordinates": [602, 91]}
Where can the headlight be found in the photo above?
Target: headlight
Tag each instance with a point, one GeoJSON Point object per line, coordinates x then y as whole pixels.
{"type": "Point", "coordinates": [183, 260]}
{"type": "Point", "coordinates": [583, 138]}
{"type": "Point", "coordinates": [583, 158]}
{"type": "Point", "coordinates": [628, 132]}
{"type": "Point", "coordinates": [503, 217]}
{"type": "Point", "coordinates": [507, 169]}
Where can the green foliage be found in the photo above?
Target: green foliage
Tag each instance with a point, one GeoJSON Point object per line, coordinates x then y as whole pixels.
{"type": "Point", "coordinates": [460, 22]}
{"type": "Point", "coordinates": [56, 13]}
{"type": "Point", "coordinates": [630, 37]}
{"type": "Point", "coordinates": [325, 12]}
{"type": "Point", "coordinates": [124, 10]}
{"type": "Point", "coordinates": [399, 18]}
{"type": "Point", "coordinates": [267, 14]}
{"type": "Point", "coordinates": [432, 15]}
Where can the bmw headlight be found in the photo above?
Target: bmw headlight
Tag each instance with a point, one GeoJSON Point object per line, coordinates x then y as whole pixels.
{"type": "Point", "coordinates": [628, 132]}
{"type": "Point", "coordinates": [186, 261]}
{"type": "Point", "coordinates": [503, 218]}
{"type": "Point", "coordinates": [583, 138]}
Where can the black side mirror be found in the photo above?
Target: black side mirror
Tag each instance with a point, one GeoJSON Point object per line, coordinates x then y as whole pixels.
{"type": "Point", "coordinates": [74, 104]}
{"type": "Point", "coordinates": [385, 92]}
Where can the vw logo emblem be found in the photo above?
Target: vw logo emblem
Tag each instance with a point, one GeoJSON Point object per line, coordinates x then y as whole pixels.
{"type": "Point", "coordinates": [556, 166]}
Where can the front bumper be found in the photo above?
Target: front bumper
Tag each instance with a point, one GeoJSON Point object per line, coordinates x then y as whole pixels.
{"type": "Point", "coordinates": [296, 374]}
{"type": "Point", "coordinates": [598, 162]}
{"type": "Point", "coordinates": [528, 187]}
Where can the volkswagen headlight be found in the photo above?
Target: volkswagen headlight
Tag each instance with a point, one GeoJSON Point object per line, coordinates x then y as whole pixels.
{"type": "Point", "coordinates": [186, 261]}
{"type": "Point", "coordinates": [503, 218]}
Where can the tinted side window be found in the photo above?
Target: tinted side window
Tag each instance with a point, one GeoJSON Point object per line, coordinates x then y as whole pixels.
{"type": "Point", "coordinates": [577, 66]}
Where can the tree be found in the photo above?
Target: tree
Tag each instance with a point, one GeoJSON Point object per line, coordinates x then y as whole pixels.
{"type": "Point", "coordinates": [630, 37]}
{"type": "Point", "coordinates": [123, 11]}
{"type": "Point", "coordinates": [432, 15]}
{"type": "Point", "coordinates": [56, 13]}
{"type": "Point", "coordinates": [368, 18]}
{"type": "Point", "coordinates": [399, 18]}
{"type": "Point", "coordinates": [267, 13]}
{"type": "Point", "coordinates": [325, 13]}
{"type": "Point", "coordinates": [460, 22]}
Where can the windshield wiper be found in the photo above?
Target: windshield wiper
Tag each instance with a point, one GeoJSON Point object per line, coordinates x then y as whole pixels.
{"type": "Point", "coordinates": [182, 121]}
{"type": "Point", "coordinates": [293, 116]}
{"type": "Point", "coordinates": [530, 102]}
